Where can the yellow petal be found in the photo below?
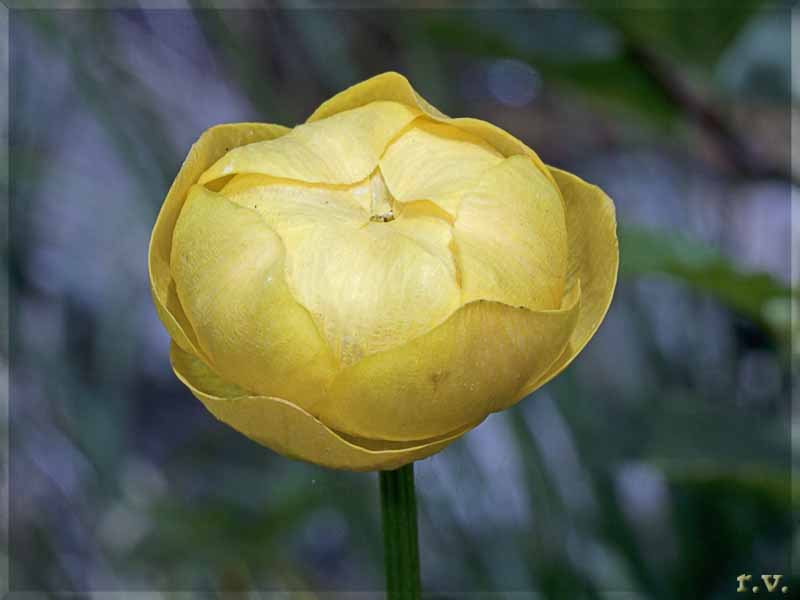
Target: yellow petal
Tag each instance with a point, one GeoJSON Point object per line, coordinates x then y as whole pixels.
{"type": "Point", "coordinates": [374, 287]}
{"type": "Point", "coordinates": [342, 149]}
{"type": "Point", "coordinates": [436, 162]}
{"type": "Point", "coordinates": [505, 143]}
{"type": "Point", "coordinates": [214, 143]}
{"type": "Point", "coordinates": [511, 239]}
{"type": "Point", "coordinates": [228, 266]}
{"type": "Point", "coordinates": [368, 285]}
{"type": "Point", "coordinates": [394, 87]}
{"type": "Point", "coordinates": [290, 430]}
{"type": "Point", "coordinates": [289, 206]}
{"type": "Point", "coordinates": [593, 259]}
{"type": "Point", "coordinates": [456, 374]}
{"type": "Point", "coordinates": [389, 86]}
{"type": "Point", "coordinates": [432, 234]}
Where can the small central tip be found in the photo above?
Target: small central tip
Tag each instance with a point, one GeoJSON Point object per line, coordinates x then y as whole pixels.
{"type": "Point", "coordinates": [383, 218]}
{"type": "Point", "coordinates": [381, 206]}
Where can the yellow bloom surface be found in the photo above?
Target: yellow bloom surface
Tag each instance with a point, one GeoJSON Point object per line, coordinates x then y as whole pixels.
{"type": "Point", "coordinates": [363, 289]}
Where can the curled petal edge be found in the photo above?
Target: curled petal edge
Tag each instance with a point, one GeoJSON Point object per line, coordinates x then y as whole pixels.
{"type": "Point", "coordinates": [291, 431]}
{"type": "Point", "coordinates": [593, 260]}
{"type": "Point", "coordinates": [395, 87]}
{"type": "Point", "coordinates": [211, 145]}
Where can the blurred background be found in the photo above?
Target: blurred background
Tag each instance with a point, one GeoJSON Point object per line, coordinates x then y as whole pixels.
{"type": "Point", "coordinates": [658, 466]}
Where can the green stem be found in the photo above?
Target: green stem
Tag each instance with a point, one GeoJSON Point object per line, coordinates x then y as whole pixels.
{"type": "Point", "coordinates": [399, 511]}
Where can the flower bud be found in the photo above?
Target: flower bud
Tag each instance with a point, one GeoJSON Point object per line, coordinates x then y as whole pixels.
{"type": "Point", "coordinates": [363, 289]}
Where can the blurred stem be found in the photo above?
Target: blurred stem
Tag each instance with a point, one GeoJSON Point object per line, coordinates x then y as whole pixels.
{"type": "Point", "coordinates": [401, 549]}
{"type": "Point", "coordinates": [736, 149]}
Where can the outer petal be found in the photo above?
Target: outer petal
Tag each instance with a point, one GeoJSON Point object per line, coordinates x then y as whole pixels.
{"type": "Point", "coordinates": [593, 259]}
{"type": "Point", "coordinates": [456, 374]}
{"type": "Point", "coordinates": [214, 143]}
{"type": "Point", "coordinates": [288, 429]}
{"type": "Point", "coordinates": [389, 86]}
{"type": "Point", "coordinates": [511, 239]}
{"type": "Point", "coordinates": [436, 162]}
{"type": "Point", "coordinates": [394, 87]}
{"type": "Point", "coordinates": [342, 149]}
{"type": "Point", "coordinates": [228, 266]}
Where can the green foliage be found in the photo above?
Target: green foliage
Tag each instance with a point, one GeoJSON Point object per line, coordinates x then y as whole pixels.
{"type": "Point", "coordinates": [698, 32]}
{"type": "Point", "coordinates": [616, 80]}
{"type": "Point", "coordinates": [754, 294]}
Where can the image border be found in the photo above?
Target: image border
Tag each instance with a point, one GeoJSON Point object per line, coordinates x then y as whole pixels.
{"type": "Point", "coordinates": [7, 12]}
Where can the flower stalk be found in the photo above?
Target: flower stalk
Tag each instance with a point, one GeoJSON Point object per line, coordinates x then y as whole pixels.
{"type": "Point", "coordinates": [401, 548]}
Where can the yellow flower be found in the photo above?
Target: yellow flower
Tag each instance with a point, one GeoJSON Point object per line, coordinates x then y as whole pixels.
{"type": "Point", "coordinates": [363, 289]}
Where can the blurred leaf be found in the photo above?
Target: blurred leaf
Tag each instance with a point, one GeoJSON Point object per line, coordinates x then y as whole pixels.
{"type": "Point", "coordinates": [545, 547]}
{"type": "Point", "coordinates": [776, 489]}
{"type": "Point", "coordinates": [215, 528]}
{"type": "Point", "coordinates": [616, 79]}
{"type": "Point", "coordinates": [617, 531]}
{"type": "Point", "coordinates": [757, 65]}
{"type": "Point", "coordinates": [150, 156]}
{"type": "Point", "coordinates": [322, 35]}
{"type": "Point", "coordinates": [241, 59]}
{"type": "Point", "coordinates": [754, 294]}
{"type": "Point", "coordinates": [699, 32]}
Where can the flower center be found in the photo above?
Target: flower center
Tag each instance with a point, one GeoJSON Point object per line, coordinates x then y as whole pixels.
{"type": "Point", "coordinates": [381, 206]}
{"type": "Point", "coordinates": [383, 218]}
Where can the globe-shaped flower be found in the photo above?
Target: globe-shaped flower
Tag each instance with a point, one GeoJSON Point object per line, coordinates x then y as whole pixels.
{"type": "Point", "coordinates": [363, 289]}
